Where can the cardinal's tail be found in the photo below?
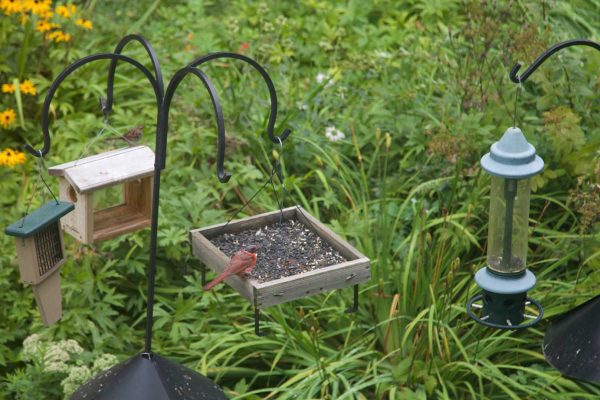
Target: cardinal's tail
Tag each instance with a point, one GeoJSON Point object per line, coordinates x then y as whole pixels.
{"type": "Point", "coordinates": [216, 281]}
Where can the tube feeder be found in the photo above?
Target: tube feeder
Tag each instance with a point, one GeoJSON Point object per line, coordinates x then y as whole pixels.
{"type": "Point", "coordinates": [505, 281]}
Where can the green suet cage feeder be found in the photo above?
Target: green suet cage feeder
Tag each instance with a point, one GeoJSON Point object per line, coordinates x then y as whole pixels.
{"type": "Point", "coordinates": [40, 252]}
{"type": "Point", "coordinates": [512, 161]}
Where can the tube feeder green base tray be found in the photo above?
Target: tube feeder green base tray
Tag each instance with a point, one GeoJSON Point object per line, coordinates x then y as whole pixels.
{"type": "Point", "coordinates": [503, 301]}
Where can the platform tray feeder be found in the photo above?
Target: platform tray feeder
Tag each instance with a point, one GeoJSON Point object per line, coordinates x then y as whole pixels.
{"type": "Point", "coordinates": [132, 168]}
{"type": "Point", "coordinates": [40, 253]}
{"type": "Point", "coordinates": [353, 268]}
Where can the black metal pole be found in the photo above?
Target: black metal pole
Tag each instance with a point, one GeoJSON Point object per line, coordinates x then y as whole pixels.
{"type": "Point", "coordinates": [159, 164]}
{"type": "Point", "coordinates": [152, 266]}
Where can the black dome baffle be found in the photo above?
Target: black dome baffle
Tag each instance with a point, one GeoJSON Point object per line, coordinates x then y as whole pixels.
{"type": "Point", "coordinates": [572, 343]}
{"type": "Point", "coordinates": [149, 377]}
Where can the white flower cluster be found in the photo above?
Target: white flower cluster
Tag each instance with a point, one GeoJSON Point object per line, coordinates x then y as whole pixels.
{"type": "Point", "coordinates": [31, 346]}
{"type": "Point", "coordinates": [71, 346]}
{"type": "Point", "coordinates": [55, 359]}
{"type": "Point", "coordinates": [61, 357]}
{"type": "Point", "coordinates": [104, 362]}
{"type": "Point", "coordinates": [334, 134]}
{"type": "Point", "coordinates": [78, 375]}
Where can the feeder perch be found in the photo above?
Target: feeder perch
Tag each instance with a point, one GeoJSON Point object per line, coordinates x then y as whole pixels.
{"type": "Point", "coordinates": [264, 294]}
{"type": "Point", "coordinates": [40, 252]}
{"type": "Point", "coordinates": [505, 280]}
{"type": "Point", "coordinates": [132, 167]}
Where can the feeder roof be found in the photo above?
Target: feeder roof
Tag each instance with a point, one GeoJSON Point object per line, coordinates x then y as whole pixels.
{"type": "Point", "coordinates": [107, 169]}
{"type": "Point", "coordinates": [512, 157]}
{"type": "Point", "coordinates": [39, 219]}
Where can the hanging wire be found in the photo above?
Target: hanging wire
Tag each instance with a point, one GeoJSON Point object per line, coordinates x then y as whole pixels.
{"type": "Point", "coordinates": [517, 92]}
{"type": "Point", "coordinates": [40, 166]}
{"type": "Point", "coordinates": [106, 127]}
{"type": "Point", "coordinates": [239, 210]}
{"type": "Point", "coordinates": [275, 170]}
{"type": "Point", "coordinates": [279, 172]}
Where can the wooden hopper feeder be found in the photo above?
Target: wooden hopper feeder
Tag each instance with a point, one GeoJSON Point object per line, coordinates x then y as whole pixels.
{"type": "Point", "coordinates": [264, 294]}
{"type": "Point", "coordinates": [40, 252]}
{"type": "Point", "coordinates": [133, 167]}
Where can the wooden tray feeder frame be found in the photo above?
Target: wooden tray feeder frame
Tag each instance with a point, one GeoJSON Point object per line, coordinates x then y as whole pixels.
{"type": "Point", "coordinates": [265, 294]}
{"type": "Point", "coordinates": [132, 168]}
{"type": "Point", "coordinates": [40, 253]}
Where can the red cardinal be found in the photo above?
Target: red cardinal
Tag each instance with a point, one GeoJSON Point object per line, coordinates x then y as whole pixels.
{"type": "Point", "coordinates": [242, 262]}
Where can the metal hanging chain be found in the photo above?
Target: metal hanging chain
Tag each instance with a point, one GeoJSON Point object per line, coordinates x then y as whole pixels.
{"type": "Point", "coordinates": [40, 165]}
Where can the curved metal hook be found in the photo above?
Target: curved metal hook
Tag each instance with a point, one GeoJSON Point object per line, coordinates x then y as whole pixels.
{"type": "Point", "coordinates": [273, 95]}
{"type": "Point", "coordinates": [107, 105]}
{"type": "Point", "coordinates": [540, 60]}
{"type": "Point", "coordinates": [71, 68]}
{"type": "Point", "coordinates": [164, 128]}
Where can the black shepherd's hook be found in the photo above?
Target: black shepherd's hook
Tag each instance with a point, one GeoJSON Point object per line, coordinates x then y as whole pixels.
{"type": "Point", "coordinates": [106, 104]}
{"type": "Point", "coordinates": [161, 153]}
{"type": "Point", "coordinates": [73, 67]}
{"type": "Point", "coordinates": [272, 94]}
{"type": "Point", "coordinates": [540, 60]}
{"type": "Point", "coordinates": [159, 164]}
{"type": "Point", "coordinates": [164, 128]}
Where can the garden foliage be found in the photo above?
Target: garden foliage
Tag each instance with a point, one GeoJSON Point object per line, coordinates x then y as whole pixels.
{"type": "Point", "coordinates": [391, 103]}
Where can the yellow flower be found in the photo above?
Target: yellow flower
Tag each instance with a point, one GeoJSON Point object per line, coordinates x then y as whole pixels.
{"type": "Point", "coordinates": [10, 157]}
{"type": "Point", "coordinates": [38, 7]}
{"type": "Point", "coordinates": [47, 14]}
{"type": "Point", "coordinates": [65, 11]}
{"type": "Point", "coordinates": [66, 37]}
{"type": "Point", "coordinates": [11, 6]}
{"type": "Point", "coordinates": [84, 23]}
{"type": "Point", "coordinates": [7, 117]}
{"type": "Point", "coordinates": [27, 87]}
{"type": "Point", "coordinates": [59, 36]}
{"type": "Point", "coordinates": [8, 88]}
{"type": "Point", "coordinates": [53, 35]}
{"type": "Point", "coordinates": [43, 26]}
